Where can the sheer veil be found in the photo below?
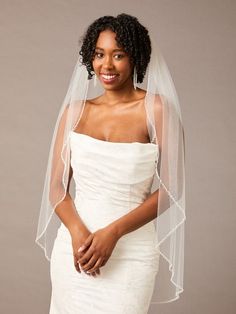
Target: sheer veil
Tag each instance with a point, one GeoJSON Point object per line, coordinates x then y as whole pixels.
{"type": "Point", "coordinates": [165, 127]}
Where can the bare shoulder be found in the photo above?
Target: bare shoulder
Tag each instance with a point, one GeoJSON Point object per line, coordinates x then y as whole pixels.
{"type": "Point", "coordinates": [141, 93]}
{"type": "Point", "coordinates": [158, 102]}
{"type": "Point", "coordinates": [64, 114]}
{"type": "Point", "coordinates": [158, 106]}
{"type": "Point", "coordinates": [158, 99]}
{"type": "Point", "coordinates": [95, 101]}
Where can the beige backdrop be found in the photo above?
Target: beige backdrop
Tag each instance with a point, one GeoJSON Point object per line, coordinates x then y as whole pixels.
{"type": "Point", "coordinates": [38, 51]}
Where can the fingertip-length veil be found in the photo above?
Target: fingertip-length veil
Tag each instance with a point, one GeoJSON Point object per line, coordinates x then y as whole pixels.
{"type": "Point", "coordinates": [165, 127]}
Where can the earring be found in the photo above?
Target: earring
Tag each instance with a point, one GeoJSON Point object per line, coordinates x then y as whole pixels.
{"type": "Point", "coordinates": [135, 78]}
{"type": "Point", "coordinates": [95, 80]}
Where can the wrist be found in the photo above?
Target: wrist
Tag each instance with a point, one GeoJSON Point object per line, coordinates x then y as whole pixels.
{"type": "Point", "coordinates": [75, 229]}
{"type": "Point", "coordinates": [114, 228]}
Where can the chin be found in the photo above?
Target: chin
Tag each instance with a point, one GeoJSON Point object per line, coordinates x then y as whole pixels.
{"type": "Point", "coordinates": [111, 87]}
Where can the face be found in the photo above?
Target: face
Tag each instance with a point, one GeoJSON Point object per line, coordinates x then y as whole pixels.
{"type": "Point", "coordinates": [111, 63]}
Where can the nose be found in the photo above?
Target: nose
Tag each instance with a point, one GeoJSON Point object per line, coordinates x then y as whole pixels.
{"type": "Point", "coordinates": [108, 62]}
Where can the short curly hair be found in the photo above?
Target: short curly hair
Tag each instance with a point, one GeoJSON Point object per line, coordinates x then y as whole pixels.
{"type": "Point", "coordinates": [132, 36]}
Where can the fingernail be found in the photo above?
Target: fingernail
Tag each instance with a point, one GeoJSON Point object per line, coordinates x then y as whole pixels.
{"type": "Point", "coordinates": [81, 248]}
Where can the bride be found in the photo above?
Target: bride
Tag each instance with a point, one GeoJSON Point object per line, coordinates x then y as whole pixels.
{"type": "Point", "coordinates": [106, 253]}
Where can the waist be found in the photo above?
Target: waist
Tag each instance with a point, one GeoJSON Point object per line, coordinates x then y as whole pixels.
{"type": "Point", "coordinates": [116, 193]}
{"type": "Point", "coordinates": [99, 214]}
{"type": "Point", "coordinates": [103, 207]}
{"type": "Point", "coordinates": [115, 199]}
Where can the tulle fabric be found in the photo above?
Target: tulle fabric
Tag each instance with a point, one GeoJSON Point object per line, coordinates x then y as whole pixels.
{"type": "Point", "coordinates": [165, 127]}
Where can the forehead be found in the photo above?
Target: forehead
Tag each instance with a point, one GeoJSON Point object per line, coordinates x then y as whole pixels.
{"type": "Point", "coordinates": [106, 40]}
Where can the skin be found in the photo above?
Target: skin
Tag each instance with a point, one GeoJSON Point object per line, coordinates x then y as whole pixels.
{"type": "Point", "coordinates": [117, 116]}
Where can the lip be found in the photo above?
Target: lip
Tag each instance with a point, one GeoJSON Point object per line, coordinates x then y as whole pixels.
{"type": "Point", "coordinates": [108, 73]}
{"type": "Point", "coordinates": [110, 80]}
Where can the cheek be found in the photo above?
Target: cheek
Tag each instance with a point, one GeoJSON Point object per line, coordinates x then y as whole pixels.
{"type": "Point", "coordinates": [126, 69]}
{"type": "Point", "coordinates": [96, 64]}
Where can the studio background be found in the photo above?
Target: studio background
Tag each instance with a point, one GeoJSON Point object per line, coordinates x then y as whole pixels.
{"type": "Point", "coordinates": [39, 45]}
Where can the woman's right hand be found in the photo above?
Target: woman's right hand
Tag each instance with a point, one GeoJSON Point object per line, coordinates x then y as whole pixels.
{"type": "Point", "coordinates": [78, 238]}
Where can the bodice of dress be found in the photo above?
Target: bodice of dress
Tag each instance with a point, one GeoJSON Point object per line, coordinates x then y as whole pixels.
{"type": "Point", "coordinates": [121, 173]}
{"type": "Point", "coordinates": [110, 179]}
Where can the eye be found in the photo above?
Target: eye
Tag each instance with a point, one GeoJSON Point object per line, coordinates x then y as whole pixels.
{"type": "Point", "coordinates": [98, 55]}
{"type": "Point", "coordinates": [119, 56]}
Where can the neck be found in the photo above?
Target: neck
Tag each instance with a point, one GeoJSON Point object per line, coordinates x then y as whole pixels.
{"type": "Point", "coordinates": [125, 93]}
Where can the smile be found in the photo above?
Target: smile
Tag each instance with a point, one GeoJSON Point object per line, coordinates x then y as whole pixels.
{"type": "Point", "coordinates": [108, 78]}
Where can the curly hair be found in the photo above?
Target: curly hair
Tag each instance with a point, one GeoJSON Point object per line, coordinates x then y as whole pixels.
{"type": "Point", "coordinates": [132, 36]}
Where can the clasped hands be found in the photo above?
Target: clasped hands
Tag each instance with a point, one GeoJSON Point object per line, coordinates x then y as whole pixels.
{"type": "Point", "coordinates": [95, 250]}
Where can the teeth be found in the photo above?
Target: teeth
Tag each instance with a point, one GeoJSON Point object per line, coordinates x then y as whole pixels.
{"type": "Point", "coordinates": [108, 77]}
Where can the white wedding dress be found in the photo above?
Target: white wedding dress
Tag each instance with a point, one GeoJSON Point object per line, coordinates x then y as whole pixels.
{"type": "Point", "coordinates": [111, 179]}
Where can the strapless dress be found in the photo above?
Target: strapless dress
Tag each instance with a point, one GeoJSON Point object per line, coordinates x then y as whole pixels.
{"type": "Point", "coordinates": [111, 179]}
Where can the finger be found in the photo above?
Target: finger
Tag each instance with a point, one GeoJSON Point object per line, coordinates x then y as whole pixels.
{"type": "Point", "coordinates": [89, 273]}
{"type": "Point", "coordinates": [80, 269]}
{"type": "Point", "coordinates": [86, 257]}
{"type": "Point", "coordinates": [94, 274]}
{"type": "Point", "coordinates": [96, 265]}
{"type": "Point", "coordinates": [86, 243]}
{"type": "Point", "coordinates": [90, 264]}
{"type": "Point", "coordinates": [104, 262]}
{"type": "Point", "coordinates": [76, 265]}
{"type": "Point", "coordinates": [79, 255]}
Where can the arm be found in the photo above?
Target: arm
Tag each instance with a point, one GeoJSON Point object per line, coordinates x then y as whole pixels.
{"type": "Point", "coordinates": [65, 209]}
{"type": "Point", "coordinates": [147, 211]}
{"type": "Point", "coordinates": [68, 214]}
{"type": "Point", "coordinates": [144, 213]}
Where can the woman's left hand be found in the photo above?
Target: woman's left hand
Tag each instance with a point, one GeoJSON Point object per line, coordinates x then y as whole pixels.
{"type": "Point", "coordinates": [100, 245]}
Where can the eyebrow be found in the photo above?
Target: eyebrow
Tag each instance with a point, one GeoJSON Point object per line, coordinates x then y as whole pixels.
{"type": "Point", "coordinates": [113, 50]}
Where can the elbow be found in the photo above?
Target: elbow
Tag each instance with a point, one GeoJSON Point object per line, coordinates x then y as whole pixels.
{"type": "Point", "coordinates": [57, 193]}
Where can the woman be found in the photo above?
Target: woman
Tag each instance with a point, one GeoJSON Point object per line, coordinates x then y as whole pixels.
{"type": "Point", "coordinates": [112, 147]}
